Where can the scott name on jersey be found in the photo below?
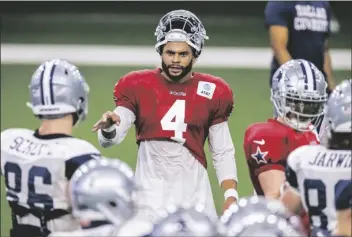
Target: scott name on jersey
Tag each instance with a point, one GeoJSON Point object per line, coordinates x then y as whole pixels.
{"type": "Point", "coordinates": [29, 147]}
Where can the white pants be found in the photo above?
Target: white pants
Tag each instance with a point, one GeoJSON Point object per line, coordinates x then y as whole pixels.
{"type": "Point", "coordinates": [169, 174]}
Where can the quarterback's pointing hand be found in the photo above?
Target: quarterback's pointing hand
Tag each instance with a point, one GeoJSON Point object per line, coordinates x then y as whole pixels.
{"type": "Point", "coordinates": [107, 120]}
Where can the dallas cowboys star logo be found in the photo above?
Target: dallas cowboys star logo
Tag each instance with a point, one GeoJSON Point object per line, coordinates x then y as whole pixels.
{"type": "Point", "coordinates": [259, 156]}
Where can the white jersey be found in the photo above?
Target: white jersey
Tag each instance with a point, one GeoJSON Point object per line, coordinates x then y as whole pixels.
{"type": "Point", "coordinates": [316, 172]}
{"type": "Point", "coordinates": [37, 170]}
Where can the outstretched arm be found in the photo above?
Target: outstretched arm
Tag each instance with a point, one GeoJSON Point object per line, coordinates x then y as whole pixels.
{"type": "Point", "coordinates": [113, 126]}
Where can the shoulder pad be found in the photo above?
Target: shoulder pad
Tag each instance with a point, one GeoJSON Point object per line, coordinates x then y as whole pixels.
{"type": "Point", "coordinates": [15, 132]}
{"type": "Point", "coordinates": [263, 130]}
{"type": "Point", "coordinates": [220, 82]}
{"type": "Point", "coordinates": [294, 158]}
{"type": "Point", "coordinates": [139, 73]}
{"type": "Point", "coordinates": [79, 147]}
{"type": "Point", "coordinates": [133, 78]}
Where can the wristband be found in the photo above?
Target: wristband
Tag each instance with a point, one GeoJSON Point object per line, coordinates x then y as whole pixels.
{"type": "Point", "coordinates": [231, 193]}
{"type": "Point", "coordinates": [110, 129]}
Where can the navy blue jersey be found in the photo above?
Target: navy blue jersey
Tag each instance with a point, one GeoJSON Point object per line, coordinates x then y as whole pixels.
{"type": "Point", "coordinates": [308, 23]}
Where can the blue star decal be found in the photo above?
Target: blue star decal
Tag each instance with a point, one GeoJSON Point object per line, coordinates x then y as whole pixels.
{"type": "Point", "coordinates": [259, 156]}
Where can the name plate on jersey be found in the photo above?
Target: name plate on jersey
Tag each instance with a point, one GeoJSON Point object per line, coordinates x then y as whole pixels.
{"type": "Point", "coordinates": [206, 89]}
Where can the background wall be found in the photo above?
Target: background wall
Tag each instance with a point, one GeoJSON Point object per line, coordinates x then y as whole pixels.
{"type": "Point", "coordinates": [227, 23]}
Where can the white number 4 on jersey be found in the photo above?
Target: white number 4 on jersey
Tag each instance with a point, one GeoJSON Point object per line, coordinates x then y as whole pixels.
{"type": "Point", "coordinates": [177, 111]}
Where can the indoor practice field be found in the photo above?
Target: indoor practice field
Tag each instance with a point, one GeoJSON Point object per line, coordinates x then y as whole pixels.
{"type": "Point", "coordinates": [252, 104]}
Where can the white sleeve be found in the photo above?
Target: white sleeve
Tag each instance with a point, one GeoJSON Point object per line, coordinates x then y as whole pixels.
{"type": "Point", "coordinates": [223, 152]}
{"type": "Point", "coordinates": [127, 119]}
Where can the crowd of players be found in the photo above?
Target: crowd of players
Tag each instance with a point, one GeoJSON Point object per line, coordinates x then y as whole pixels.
{"type": "Point", "coordinates": [58, 185]}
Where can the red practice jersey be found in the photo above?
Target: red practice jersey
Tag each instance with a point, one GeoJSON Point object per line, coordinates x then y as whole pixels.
{"type": "Point", "coordinates": [268, 144]}
{"type": "Point", "coordinates": [177, 112]}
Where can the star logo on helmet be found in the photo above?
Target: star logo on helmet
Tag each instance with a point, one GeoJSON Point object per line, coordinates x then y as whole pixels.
{"type": "Point", "coordinates": [259, 156]}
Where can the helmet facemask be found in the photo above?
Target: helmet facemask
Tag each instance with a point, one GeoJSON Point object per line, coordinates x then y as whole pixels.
{"type": "Point", "coordinates": [299, 94]}
{"type": "Point", "coordinates": [300, 113]}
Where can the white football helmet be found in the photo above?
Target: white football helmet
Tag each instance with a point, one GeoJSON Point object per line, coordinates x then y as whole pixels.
{"type": "Point", "coordinates": [184, 220]}
{"type": "Point", "coordinates": [339, 108]}
{"type": "Point", "coordinates": [339, 116]}
{"type": "Point", "coordinates": [103, 190]}
{"type": "Point", "coordinates": [58, 88]}
{"type": "Point", "coordinates": [299, 94]}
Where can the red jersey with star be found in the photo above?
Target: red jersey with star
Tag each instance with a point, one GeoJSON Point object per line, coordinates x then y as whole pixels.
{"type": "Point", "coordinates": [179, 112]}
{"type": "Point", "coordinates": [268, 144]}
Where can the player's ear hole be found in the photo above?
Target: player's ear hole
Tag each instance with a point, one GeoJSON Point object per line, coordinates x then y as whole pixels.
{"type": "Point", "coordinates": [112, 204]}
{"type": "Point", "coordinates": [81, 100]}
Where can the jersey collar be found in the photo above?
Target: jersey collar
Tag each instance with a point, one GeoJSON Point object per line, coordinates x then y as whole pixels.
{"type": "Point", "coordinates": [49, 136]}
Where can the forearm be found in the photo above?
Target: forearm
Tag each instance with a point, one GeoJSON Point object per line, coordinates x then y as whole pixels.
{"type": "Point", "coordinates": [223, 154]}
{"type": "Point", "coordinates": [328, 69]}
{"type": "Point", "coordinates": [282, 55]}
{"type": "Point", "coordinates": [290, 197]}
{"type": "Point", "coordinates": [343, 225]}
{"type": "Point", "coordinates": [270, 193]}
{"type": "Point", "coordinates": [229, 184]}
{"type": "Point", "coordinates": [279, 40]}
{"type": "Point", "coordinates": [116, 134]}
{"type": "Point", "coordinates": [270, 182]}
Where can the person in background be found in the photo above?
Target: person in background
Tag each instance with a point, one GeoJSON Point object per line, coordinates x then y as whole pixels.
{"type": "Point", "coordinates": [300, 30]}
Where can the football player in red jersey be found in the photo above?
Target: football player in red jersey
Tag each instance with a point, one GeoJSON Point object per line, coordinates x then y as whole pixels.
{"type": "Point", "coordinates": [299, 95]}
{"type": "Point", "coordinates": [174, 111]}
